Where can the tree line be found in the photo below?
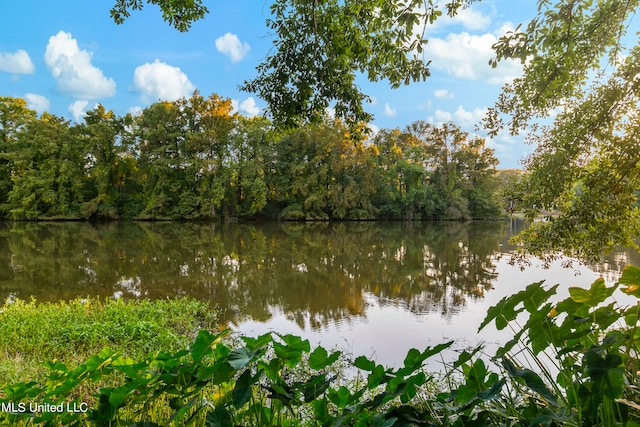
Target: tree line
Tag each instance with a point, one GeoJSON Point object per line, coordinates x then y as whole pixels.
{"type": "Point", "coordinates": [196, 159]}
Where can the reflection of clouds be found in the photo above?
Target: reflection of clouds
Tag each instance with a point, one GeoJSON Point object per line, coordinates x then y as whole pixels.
{"type": "Point", "coordinates": [130, 286]}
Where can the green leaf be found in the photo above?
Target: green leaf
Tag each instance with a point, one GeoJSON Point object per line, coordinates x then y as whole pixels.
{"type": "Point", "coordinates": [241, 357]}
{"type": "Point", "coordinates": [579, 295]}
{"type": "Point", "coordinates": [363, 363]}
{"type": "Point", "coordinates": [631, 278]}
{"type": "Point", "coordinates": [505, 311]}
{"type": "Point", "coordinates": [243, 389]}
{"type": "Point", "coordinates": [258, 342]}
{"type": "Point", "coordinates": [118, 396]}
{"type": "Point", "coordinates": [320, 359]}
{"type": "Point", "coordinates": [202, 344]}
{"type": "Point", "coordinates": [313, 388]}
{"type": "Point", "coordinates": [220, 417]}
{"type": "Point", "coordinates": [291, 351]}
{"type": "Point", "coordinates": [531, 379]}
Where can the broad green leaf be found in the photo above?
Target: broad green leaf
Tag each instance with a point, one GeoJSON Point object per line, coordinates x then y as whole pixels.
{"type": "Point", "coordinates": [219, 417]}
{"type": "Point", "coordinates": [531, 379]}
{"type": "Point", "coordinates": [320, 359]}
{"type": "Point", "coordinates": [631, 278]}
{"type": "Point", "coordinates": [118, 396]}
{"type": "Point", "coordinates": [258, 342]}
{"type": "Point", "coordinates": [243, 389]}
{"type": "Point", "coordinates": [313, 388]}
{"type": "Point", "coordinates": [241, 357]}
{"type": "Point", "coordinates": [363, 363]}
{"type": "Point", "coordinates": [505, 311]}
{"type": "Point", "coordinates": [202, 344]}
{"type": "Point", "coordinates": [580, 295]}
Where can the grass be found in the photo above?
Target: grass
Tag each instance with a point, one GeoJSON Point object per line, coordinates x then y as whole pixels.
{"type": "Point", "coordinates": [32, 332]}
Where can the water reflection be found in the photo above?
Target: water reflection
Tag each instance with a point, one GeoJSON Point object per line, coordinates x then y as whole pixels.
{"type": "Point", "coordinates": [314, 274]}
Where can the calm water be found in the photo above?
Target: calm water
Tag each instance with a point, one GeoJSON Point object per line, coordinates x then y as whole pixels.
{"type": "Point", "coordinates": [370, 288]}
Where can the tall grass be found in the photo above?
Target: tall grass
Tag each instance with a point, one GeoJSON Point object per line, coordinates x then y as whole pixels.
{"type": "Point", "coordinates": [32, 333]}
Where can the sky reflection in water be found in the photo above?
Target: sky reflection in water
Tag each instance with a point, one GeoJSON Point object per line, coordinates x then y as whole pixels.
{"type": "Point", "coordinates": [376, 289]}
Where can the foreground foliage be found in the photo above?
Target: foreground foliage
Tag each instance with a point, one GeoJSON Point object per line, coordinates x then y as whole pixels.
{"type": "Point", "coordinates": [581, 64]}
{"type": "Point", "coordinates": [573, 362]}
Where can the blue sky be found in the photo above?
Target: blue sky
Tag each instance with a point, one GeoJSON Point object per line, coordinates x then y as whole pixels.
{"type": "Point", "coordinates": [65, 57]}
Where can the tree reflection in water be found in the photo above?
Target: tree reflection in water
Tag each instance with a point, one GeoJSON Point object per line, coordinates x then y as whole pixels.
{"type": "Point", "coordinates": [314, 273]}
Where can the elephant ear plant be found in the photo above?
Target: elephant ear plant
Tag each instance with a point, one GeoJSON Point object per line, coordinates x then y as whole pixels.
{"type": "Point", "coordinates": [574, 362]}
{"type": "Point", "coordinates": [584, 349]}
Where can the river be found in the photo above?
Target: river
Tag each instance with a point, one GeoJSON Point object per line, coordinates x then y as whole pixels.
{"type": "Point", "coordinates": [374, 289]}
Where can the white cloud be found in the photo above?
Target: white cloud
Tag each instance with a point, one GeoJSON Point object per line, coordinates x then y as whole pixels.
{"type": "Point", "coordinates": [73, 71]}
{"type": "Point", "coordinates": [374, 129]}
{"type": "Point", "coordinates": [388, 111]}
{"type": "Point", "coordinates": [159, 81]}
{"type": "Point", "coordinates": [461, 117]}
{"type": "Point", "coordinates": [467, 19]}
{"type": "Point", "coordinates": [249, 107]}
{"type": "Point", "coordinates": [468, 119]}
{"type": "Point", "coordinates": [37, 102]}
{"type": "Point", "coordinates": [16, 63]}
{"type": "Point", "coordinates": [471, 19]}
{"type": "Point", "coordinates": [443, 94]}
{"type": "Point", "coordinates": [78, 109]}
{"type": "Point", "coordinates": [230, 45]}
{"type": "Point", "coordinates": [467, 56]}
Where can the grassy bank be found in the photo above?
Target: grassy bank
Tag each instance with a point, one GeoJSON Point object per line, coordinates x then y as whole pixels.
{"type": "Point", "coordinates": [32, 333]}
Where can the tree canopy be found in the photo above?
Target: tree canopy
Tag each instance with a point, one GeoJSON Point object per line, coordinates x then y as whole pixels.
{"type": "Point", "coordinates": [582, 74]}
{"type": "Point", "coordinates": [320, 47]}
{"type": "Point", "coordinates": [195, 159]}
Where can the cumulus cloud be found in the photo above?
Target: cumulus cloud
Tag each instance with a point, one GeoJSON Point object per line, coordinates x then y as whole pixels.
{"type": "Point", "coordinates": [73, 71]}
{"type": "Point", "coordinates": [443, 94]}
{"type": "Point", "coordinates": [230, 45]}
{"type": "Point", "coordinates": [461, 117]}
{"type": "Point", "coordinates": [78, 109]}
{"type": "Point", "coordinates": [467, 56]}
{"type": "Point", "coordinates": [37, 102]}
{"type": "Point", "coordinates": [16, 63]}
{"type": "Point", "coordinates": [249, 107]}
{"type": "Point", "coordinates": [159, 81]}
{"type": "Point", "coordinates": [472, 19]}
{"type": "Point", "coordinates": [469, 18]}
{"type": "Point", "coordinates": [388, 111]}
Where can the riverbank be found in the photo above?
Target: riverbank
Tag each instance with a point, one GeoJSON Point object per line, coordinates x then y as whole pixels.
{"type": "Point", "coordinates": [32, 333]}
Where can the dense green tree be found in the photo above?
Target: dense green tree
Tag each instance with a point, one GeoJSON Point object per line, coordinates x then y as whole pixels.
{"type": "Point", "coordinates": [160, 142]}
{"type": "Point", "coordinates": [323, 174]}
{"type": "Point", "coordinates": [403, 175]}
{"type": "Point", "coordinates": [110, 165]}
{"type": "Point", "coordinates": [580, 63]}
{"type": "Point", "coordinates": [48, 170]}
{"type": "Point", "coordinates": [195, 159]}
{"type": "Point", "coordinates": [252, 154]}
{"type": "Point", "coordinates": [207, 157]}
{"type": "Point", "coordinates": [439, 172]}
{"type": "Point", "coordinates": [320, 47]}
{"type": "Point", "coordinates": [14, 116]}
